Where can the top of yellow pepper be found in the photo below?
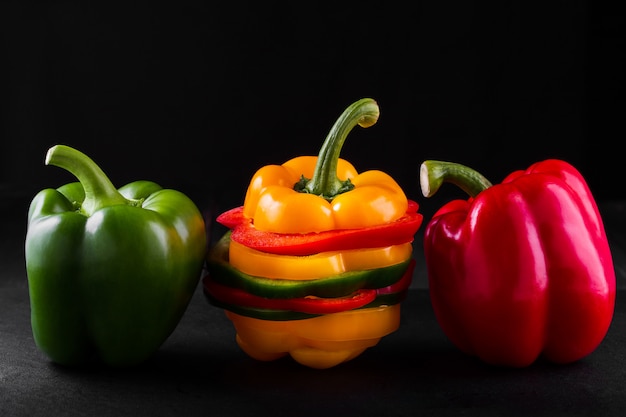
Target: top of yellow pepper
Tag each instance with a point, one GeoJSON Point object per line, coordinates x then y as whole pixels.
{"type": "Point", "coordinates": [309, 194]}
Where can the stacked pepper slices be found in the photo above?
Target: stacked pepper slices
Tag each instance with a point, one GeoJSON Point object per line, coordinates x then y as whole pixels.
{"type": "Point", "coordinates": [317, 261]}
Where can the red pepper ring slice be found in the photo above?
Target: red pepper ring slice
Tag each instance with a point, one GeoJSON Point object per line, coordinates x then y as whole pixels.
{"type": "Point", "coordinates": [309, 304]}
{"type": "Point", "coordinates": [397, 232]}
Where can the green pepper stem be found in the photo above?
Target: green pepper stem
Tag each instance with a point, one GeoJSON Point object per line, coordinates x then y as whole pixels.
{"type": "Point", "coordinates": [434, 173]}
{"type": "Point", "coordinates": [325, 182]}
{"type": "Point", "coordinates": [99, 191]}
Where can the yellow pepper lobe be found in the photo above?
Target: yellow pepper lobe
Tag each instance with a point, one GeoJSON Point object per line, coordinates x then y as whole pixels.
{"type": "Point", "coordinates": [376, 199]}
{"type": "Point", "coordinates": [324, 264]}
{"type": "Point", "coordinates": [283, 210]}
{"type": "Point", "coordinates": [269, 175]}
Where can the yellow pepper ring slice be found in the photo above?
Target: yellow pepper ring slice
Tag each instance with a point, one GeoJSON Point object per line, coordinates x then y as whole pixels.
{"type": "Point", "coordinates": [319, 342]}
{"type": "Point", "coordinates": [320, 265]}
{"type": "Point", "coordinates": [329, 330]}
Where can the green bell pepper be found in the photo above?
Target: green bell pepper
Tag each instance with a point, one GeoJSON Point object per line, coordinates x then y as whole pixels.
{"type": "Point", "coordinates": [110, 272]}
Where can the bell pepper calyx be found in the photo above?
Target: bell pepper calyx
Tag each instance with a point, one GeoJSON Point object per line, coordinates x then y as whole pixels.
{"type": "Point", "coordinates": [397, 232]}
{"type": "Point", "coordinates": [325, 183]}
{"type": "Point", "coordinates": [434, 173]}
{"type": "Point", "coordinates": [99, 191]}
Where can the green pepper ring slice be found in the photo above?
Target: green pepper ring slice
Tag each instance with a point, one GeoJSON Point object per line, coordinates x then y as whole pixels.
{"type": "Point", "coordinates": [312, 305]}
{"type": "Point", "coordinates": [389, 295]}
{"type": "Point", "coordinates": [335, 286]}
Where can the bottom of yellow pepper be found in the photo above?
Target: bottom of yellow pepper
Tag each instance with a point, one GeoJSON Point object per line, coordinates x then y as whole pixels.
{"type": "Point", "coordinates": [320, 342]}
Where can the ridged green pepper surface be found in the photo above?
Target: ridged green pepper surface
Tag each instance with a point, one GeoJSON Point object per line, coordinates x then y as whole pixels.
{"type": "Point", "coordinates": [110, 272]}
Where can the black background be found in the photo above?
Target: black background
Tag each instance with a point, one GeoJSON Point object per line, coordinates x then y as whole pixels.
{"type": "Point", "coordinates": [198, 95]}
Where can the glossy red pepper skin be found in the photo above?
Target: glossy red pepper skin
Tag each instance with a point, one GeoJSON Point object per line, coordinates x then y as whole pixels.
{"type": "Point", "coordinates": [523, 270]}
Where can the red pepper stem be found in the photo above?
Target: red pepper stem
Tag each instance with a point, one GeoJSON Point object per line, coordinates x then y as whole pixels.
{"type": "Point", "coordinates": [434, 173]}
{"type": "Point", "coordinates": [99, 191]}
{"type": "Point", "coordinates": [325, 182]}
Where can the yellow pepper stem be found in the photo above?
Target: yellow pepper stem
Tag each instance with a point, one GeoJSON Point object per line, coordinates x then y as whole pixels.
{"type": "Point", "coordinates": [325, 182]}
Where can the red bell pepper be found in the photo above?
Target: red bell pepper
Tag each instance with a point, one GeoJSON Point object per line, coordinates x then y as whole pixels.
{"type": "Point", "coordinates": [522, 269]}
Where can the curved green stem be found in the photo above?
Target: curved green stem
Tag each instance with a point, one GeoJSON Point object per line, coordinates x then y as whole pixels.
{"type": "Point", "coordinates": [325, 182]}
{"type": "Point", "coordinates": [435, 173]}
{"type": "Point", "coordinates": [99, 191]}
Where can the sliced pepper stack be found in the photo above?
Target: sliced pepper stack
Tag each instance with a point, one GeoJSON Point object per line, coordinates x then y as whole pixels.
{"type": "Point", "coordinates": [318, 259]}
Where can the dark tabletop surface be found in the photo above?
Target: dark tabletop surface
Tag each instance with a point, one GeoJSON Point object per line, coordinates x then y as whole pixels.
{"type": "Point", "coordinates": [200, 370]}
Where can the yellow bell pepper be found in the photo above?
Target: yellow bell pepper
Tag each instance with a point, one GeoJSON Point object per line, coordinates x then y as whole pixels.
{"type": "Point", "coordinates": [326, 224]}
